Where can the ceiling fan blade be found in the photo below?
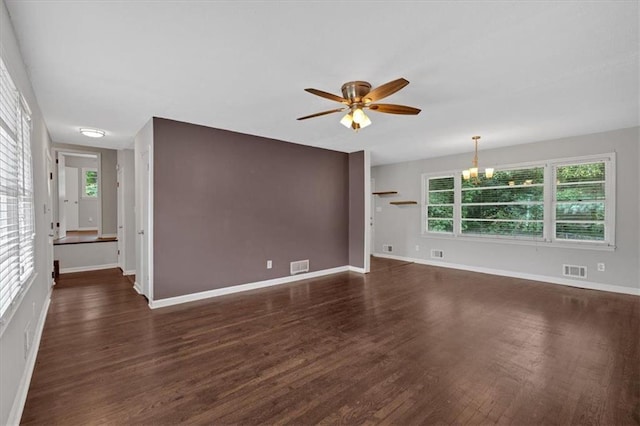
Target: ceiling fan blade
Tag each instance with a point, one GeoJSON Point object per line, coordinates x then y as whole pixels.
{"type": "Point", "coordinates": [327, 95]}
{"type": "Point", "coordinates": [394, 109]}
{"type": "Point", "coordinates": [318, 114]}
{"type": "Point", "coordinates": [385, 90]}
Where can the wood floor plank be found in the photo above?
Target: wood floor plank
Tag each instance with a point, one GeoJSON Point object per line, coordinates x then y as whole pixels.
{"type": "Point", "coordinates": [405, 344]}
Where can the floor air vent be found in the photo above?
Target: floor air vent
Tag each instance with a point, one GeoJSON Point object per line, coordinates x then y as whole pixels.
{"type": "Point", "coordinates": [299, 266]}
{"type": "Point", "coordinates": [574, 271]}
{"type": "Point", "coordinates": [437, 254]}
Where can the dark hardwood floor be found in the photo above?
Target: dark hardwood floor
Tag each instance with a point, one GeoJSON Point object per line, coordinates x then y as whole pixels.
{"type": "Point", "coordinates": [406, 344]}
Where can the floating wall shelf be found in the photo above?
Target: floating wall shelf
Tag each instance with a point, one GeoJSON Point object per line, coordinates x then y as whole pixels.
{"type": "Point", "coordinates": [403, 203]}
{"type": "Point", "coordinates": [384, 192]}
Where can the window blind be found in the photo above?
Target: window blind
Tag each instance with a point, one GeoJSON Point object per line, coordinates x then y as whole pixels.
{"type": "Point", "coordinates": [16, 193]}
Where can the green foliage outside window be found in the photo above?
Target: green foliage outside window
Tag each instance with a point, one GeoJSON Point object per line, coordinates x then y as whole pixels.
{"type": "Point", "coordinates": [512, 203]}
{"type": "Point", "coordinates": [90, 183]}
{"type": "Point", "coordinates": [580, 196]}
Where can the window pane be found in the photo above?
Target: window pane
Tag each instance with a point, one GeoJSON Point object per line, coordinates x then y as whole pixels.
{"type": "Point", "coordinates": [441, 183]}
{"type": "Point", "coordinates": [580, 192]}
{"type": "Point", "coordinates": [529, 176]}
{"type": "Point", "coordinates": [588, 172]}
{"type": "Point", "coordinates": [445, 197]}
{"type": "Point", "coordinates": [91, 183]}
{"type": "Point", "coordinates": [440, 211]}
{"type": "Point", "coordinates": [580, 231]}
{"type": "Point", "coordinates": [503, 195]}
{"type": "Point", "coordinates": [514, 211]}
{"type": "Point", "coordinates": [439, 225]}
{"type": "Point", "coordinates": [580, 211]}
{"type": "Point", "coordinates": [526, 229]}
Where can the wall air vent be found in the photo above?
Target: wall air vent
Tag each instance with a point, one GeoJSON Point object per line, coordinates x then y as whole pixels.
{"type": "Point", "coordinates": [299, 266]}
{"type": "Point", "coordinates": [574, 271]}
{"type": "Point", "coordinates": [437, 254]}
{"type": "Point", "coordinates": [387, 248]}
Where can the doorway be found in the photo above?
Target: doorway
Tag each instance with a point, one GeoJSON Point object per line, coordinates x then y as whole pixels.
{"type": "Point", "coordinates": [79, 207]}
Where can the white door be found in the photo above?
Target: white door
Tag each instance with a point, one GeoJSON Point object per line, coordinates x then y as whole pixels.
{"type": "Point", "coordinates": [62, 196]}
{"type": "Point", "coordinates": [48, 210]}
{"type": "Point", "coordinates": [71, 199]}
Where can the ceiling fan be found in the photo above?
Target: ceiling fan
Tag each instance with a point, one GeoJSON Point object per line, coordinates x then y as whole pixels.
{"type": "Point", "coordinates": [358, 96]}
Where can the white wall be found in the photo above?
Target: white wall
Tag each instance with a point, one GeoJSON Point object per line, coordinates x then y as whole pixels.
{"type": "Point", "coordinates": [401, 226]}
{"type": "Point", "coordinates": [126, 159]}
{"type": "Point", "coordinates": [86, 257]}
{"type": "Point", "coordinates": [16, 366]}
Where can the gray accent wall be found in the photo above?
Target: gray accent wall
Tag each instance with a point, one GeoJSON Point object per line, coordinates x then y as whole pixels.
{"type": "Point", "coordinates": [108, 178]}
{"type": "Point", "coordinates": [225, 203]}
{"type": "Point", "coordinates": [401, 226]}
{"type": "Point", "coordinates": [356, 209]}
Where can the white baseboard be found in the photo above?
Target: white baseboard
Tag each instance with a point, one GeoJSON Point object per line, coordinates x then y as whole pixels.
{"type": "Point", "coordinates": [356, 269]}
{"type": "Point", "coordinates": [109, 236]}
{"type": "Point", "coordinates": [513, 274]}
{"type": "Point", "coordinates": [153, 304]}
{"type": "Point", "coordinates": [131, 272]}
{"type": "Point", "coordinates": [21, 395]}
{"type": "Point", "coordinates": [137, 287]}
{"type": "Point", "coordinates": [87, 268]}
{"type": "Point", "coordinates": [84, 229]}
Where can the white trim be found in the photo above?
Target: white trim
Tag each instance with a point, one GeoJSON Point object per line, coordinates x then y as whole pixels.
{"type": "Point", "coordinates": [522, 242]}
{"type": "Point", "coordinates": [130, 272]}
{"type": "Point", "coordinates": [358, 270]}
{"type": "Point", "coordinates": [23, 388]}
{"type": "Point", "coordinates": [88, 268]}
{"type": "Point", "coordinates": [153, 304]}
{"type": "Point", "coordinates": [522, 275]}
{"type": "Point", "coordinates": [93, 228]}
{"type": "Point", "coordinates": [137, 287]}
{"type": "Point", "coordinates": [109, 236]}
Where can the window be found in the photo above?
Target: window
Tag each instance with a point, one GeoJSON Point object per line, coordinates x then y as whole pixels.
{"type": "Point", "coordinates": [16, 193]}
{"type": "Point", "coordinates": [580, 202]}
{"type": "Point", "coordinates": [440, 197]}
{"type": "Point", "coordinates": [89, 183]}
{"type": "Point", "coordinates": [557, 202]}
{"type": "Point", "coordinates": [509, 204]}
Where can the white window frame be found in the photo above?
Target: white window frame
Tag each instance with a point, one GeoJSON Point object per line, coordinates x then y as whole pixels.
{"type": "Point", "coordinates": [84, 171]}
{"type": "Point", "coordinates": [23, 248]}
{"type": "Point", "coordinates": [609, 161]}
{"type": "Point", "coordinates": [425, 200]}
{"type": "Point", "coordinates": [549, 191]}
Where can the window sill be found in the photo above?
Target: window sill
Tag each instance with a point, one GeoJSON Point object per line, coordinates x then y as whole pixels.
{"type": "Point", "coordinates": [537, 243]}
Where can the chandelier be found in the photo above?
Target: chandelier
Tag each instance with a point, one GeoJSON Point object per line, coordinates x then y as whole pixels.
{"type": "Point", "coordinates": [472, 173]}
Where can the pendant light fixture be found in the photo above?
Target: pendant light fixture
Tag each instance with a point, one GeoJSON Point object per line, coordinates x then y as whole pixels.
{"type": "Point", "coordinates": [472, 173]}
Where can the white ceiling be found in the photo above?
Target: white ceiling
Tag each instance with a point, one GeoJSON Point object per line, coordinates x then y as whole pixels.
{"type": "Point", "coordinates": [513, 72]}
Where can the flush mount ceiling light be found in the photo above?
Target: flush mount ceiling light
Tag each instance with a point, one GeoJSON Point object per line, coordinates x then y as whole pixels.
{"type": "Point", "coordinates": [92, 133]}
{"type": "Point", "coordinates": [358, 96]}
{"type": "Point", "coordinates": [473, 171]}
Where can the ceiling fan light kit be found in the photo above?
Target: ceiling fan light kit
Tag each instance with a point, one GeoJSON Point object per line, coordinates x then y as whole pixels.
{"type": "Point", "coordinates": [358, 96]}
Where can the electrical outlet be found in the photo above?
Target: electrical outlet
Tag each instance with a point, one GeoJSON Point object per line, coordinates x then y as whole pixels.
{"type": "Point", "coordinates": [417, 247]}
{"type": "Point", "coordinates": [90, 219]}
{"type": "Point", "coordinates": [269, 264]}
{"type": "Point", "coordinates": [378, 209]}
{"type": "Point", "coordinates": [601, 267]}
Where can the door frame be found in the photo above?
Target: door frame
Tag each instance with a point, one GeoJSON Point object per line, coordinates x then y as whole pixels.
{"type": "Point", "coordinates": [57, 152]}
